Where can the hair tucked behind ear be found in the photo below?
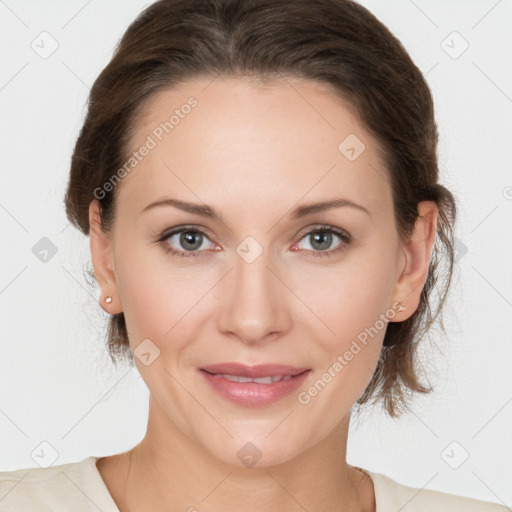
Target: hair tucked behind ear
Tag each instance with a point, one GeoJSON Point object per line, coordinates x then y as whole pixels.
{"type": "Point", "coordinates": [337, 42]}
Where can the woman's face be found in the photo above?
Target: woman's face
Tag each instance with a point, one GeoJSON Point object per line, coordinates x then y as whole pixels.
{"type": "Point", "coordinates": [258, 283]}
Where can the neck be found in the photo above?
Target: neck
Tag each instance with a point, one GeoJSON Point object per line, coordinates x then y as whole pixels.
{"type": "Point", "coordinates": [169, 471]}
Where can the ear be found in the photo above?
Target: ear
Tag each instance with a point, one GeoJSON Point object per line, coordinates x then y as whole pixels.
{"type": "Point", "coordinates": [102, 260]}
{"type": "Point", "coordinates": [417, 251]}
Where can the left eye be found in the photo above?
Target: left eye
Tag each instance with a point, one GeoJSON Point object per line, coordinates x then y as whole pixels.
{"type": "Point", "coordinates": [321, 239]}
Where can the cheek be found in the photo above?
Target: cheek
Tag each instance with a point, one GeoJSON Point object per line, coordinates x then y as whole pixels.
{"type": "Point", "coordinates": [150, 296]}
{"type": "Point", "coordinates": [350, 297]}
{"type": "Point", "coordinates": [352, 303]}
{"type": "Point", "coordinates": [349, 362]}
{"type": "Point", "coordinates": [161, 298]}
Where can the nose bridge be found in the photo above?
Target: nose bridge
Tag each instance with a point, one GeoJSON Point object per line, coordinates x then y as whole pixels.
{"type": "Point", "coordinates": [253, 305]}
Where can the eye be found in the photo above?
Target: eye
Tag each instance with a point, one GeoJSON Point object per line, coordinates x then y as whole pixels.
{"type": "Point", "coordinates": [191, 240]}
{"type": "Point", "coordinates": [322, 237]}
{"type": "Point", "coordinates": [188, 242]}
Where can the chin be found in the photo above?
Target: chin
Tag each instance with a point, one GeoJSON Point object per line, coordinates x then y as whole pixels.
{"type": "Point", "coordinates": [258, 451]}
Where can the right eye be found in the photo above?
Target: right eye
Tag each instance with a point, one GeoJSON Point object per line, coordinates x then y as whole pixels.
{"type": "Point", "coordinates": [192, 240]}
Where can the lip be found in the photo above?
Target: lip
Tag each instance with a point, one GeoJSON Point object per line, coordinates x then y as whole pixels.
{"type": "Point", "coordinates": [253, 394]}
{"type": "Point", "coordinates": [256, 371]}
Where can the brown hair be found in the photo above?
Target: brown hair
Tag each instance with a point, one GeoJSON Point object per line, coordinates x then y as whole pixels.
{"type": "Point", "coordinates": [336, 42]}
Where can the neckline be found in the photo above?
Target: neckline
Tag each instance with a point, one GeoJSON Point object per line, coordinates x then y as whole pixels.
{"type": "Point", "coordinates": [94, 485]}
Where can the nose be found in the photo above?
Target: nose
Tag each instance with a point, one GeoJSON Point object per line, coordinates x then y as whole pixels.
{"type": "Point", "coordinates": [254, 302]}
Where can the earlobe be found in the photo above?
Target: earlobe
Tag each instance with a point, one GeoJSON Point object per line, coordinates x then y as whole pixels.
{"type": "Point", "coordinates": [102, 260]}
{"type": "Point", "coordinates": [417, 251]}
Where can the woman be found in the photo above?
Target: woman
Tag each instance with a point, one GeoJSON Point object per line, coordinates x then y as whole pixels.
{"type": "Point", "coordinates": [259, 183]}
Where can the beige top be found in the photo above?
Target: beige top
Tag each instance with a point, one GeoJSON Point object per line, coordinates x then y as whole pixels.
{"type": "Point", "coordinates": [78, 487]}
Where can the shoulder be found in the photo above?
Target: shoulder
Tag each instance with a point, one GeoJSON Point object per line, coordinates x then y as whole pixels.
{"type": "Point", "coordinates": [391, 496]}
{"type": "Point", "coordinates": [58, 488]}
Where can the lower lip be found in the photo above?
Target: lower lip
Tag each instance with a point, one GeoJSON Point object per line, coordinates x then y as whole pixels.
{"type": "Point", "coordinates": [252, 394]}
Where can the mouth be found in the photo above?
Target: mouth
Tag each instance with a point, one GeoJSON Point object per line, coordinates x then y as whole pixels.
{"type": "Point", "coordinates": [254, 386]}
{"type": "Point", "coordinates": [258, 380]}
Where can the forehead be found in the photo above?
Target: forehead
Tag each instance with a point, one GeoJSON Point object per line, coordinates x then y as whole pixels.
{"type": "Point", "coordinates": [242, 139]}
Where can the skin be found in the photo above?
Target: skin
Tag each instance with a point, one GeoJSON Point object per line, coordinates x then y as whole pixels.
{"type": "Point", "coordinates": [253, 153]}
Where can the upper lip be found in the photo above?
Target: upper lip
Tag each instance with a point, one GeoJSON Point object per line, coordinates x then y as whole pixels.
{"type": "Point", "coordinates": [256, 371]}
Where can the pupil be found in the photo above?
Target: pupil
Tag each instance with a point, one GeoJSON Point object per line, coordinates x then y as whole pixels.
{"type": "Point", "coordinates": [323, 238]}
{"type": "Point", "coordinates": [188, 238]}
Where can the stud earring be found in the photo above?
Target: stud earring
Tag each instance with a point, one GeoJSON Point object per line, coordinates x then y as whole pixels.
{"type": "Point", "coordinates": [401, 307]}
{"type": "Point", "coordinates": [108, 299]}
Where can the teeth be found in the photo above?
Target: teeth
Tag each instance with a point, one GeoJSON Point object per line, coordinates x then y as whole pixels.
{"type": "Point", "coordinates": [259, 380]}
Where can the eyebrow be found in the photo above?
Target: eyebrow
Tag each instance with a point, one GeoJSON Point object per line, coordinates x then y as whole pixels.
{"type": "Point", "coordinates": [299, 212]}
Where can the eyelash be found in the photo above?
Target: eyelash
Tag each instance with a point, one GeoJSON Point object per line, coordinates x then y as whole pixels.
{"type": "Point", "coordinates": [343, 235]}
